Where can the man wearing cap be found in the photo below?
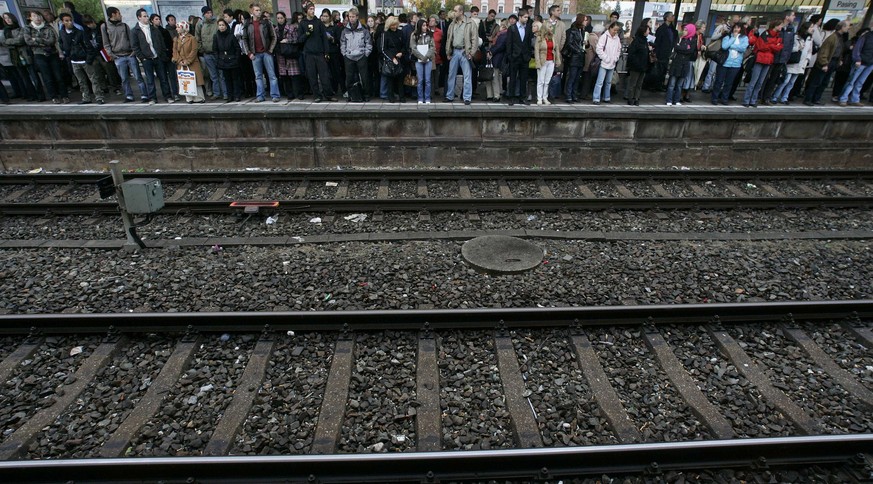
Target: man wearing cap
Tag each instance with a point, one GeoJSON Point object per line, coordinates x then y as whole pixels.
{"type": "Point", "coordinates": [259, 40]}
{"type": "Point", "coordinates": [204, 33]}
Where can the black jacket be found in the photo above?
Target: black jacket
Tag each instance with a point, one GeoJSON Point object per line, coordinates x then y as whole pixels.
{"type": "Point", "coordinates": [665, 39]}
{"type": "Point", "coordinates": [314, 36]}
{"type": "Point", "coordinates": [168, 41]}
{"type": "Point", "coordinates": [518, 50]}
{"type": "Point", "coordinates": [227, 50]}
{"type": "Point", "coordinates": [141, 47]}
{"type": "Point", "coordinates": [75, 47]}
{"type": "Point", "coordinates": [393, 42]}
{"type": "Point", "coordinates": [685, 49]}
{"type": "Point", "coordinates": [638, 55]}
{"type": "Point", "coordinates": [575, 45]}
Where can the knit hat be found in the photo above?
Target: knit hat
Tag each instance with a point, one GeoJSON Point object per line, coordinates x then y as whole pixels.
{"type": "Point", "coordinates": [203, 10]}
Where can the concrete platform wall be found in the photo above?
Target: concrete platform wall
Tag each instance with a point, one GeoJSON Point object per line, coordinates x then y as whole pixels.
{"type": "Point", "coordinates": [228, 139]}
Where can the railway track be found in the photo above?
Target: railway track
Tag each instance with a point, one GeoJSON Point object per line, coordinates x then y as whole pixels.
{"type": "Point", "coordinates": [440, 396]}
{"type": "Point", "coordinates": [435, 190]}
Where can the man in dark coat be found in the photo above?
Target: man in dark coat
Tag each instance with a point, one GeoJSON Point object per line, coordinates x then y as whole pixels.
{"type": "Point", "coordinates": [519, 50]}
{"type": "Point", "coordinates": [148, 46]}
{"type": "Point", "coordinates": [665, 39]}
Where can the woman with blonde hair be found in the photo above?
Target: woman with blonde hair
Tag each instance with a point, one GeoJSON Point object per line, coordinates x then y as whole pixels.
{"type": "Point", "coordinates": [185, 57]}
{"type": "Point", "coordinates": [547, 55]}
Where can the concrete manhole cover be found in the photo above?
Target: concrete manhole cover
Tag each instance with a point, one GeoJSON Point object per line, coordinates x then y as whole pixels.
{"type": "Point", "coordinates": [501, 254]}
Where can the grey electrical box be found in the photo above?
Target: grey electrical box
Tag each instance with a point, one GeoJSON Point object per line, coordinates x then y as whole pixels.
{"type": "Point", "coordinates": [143, 195]}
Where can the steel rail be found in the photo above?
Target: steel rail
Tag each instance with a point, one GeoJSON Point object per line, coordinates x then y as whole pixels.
{"type": "Point", "coordinates": [727, 313]}
{"type": "Point", "coordinates": [461, 204]}
{"type": "Point", "coordinates": [436, 174]}
{"type": "Point", "coordinates": [538, 464]}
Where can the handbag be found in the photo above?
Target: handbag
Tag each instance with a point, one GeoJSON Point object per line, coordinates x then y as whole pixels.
{"type": "Point", "coordinates": [187, 81]}
{"type": "Point", "coordinates": [486, 72]}
{"type": "Point", "coordinates": [289, 50]}
{"type": "Point", "coordinates": [795, 57]}
{"type": "Point", "coordinates": [712, 48]}
{"type": "Point", "coordinates": [410, 80]}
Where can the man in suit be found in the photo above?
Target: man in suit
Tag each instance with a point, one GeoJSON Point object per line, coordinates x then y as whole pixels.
{"type": "Point", "coordinates": [519, 49]}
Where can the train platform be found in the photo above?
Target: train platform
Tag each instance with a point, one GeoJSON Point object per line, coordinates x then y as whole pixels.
{"type": "Point", "coordinates": [304, 134]}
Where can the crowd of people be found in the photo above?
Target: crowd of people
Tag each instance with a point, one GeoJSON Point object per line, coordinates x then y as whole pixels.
{"type": "Point", "coordinates": [522, 59]}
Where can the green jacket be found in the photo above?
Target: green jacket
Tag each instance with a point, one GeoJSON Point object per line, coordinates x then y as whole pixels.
{"type": "Point", "coordinates": [204, 33]}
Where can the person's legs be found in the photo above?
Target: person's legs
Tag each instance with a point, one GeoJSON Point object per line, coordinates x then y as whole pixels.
{"type": "Point", "coordinates": [550, 71]}
{"type": "Point", "coordinates": [324, 77]}
{"type": "Point", "coordinates": [267, 62]}
{"type": "Point", "coordinates": [858, 83]}
{"type": "Point", "coordinates": [84, 86]}
{"type": "Point", "coordinates": [598, 86]}
{"type": "Point", "coordinates": [148, 65]}
{"type": "Point", "coordinates": [784, 89]}
{"type": "Point", "coordinates": [710, 75]}
{"type": "Point", "coordinates": [607, 85]}
{"type": "Point", "coordinates": [751, 96]}
{"type": "Point", "coordinates": [671, 88]}
{"type": "Point", "coordinates": [211, 61]}
{"type": "Point", "coordinates": [541, 83]}
{"type": "Point", "coordinates": [718, 83]}
{"type": "Point", "coordinates": [42, 65]}
{"type": "Point", "coordinates": [729, 77]}
{"type": "Point", "coordinates": [454, 65]}
{"type": "Point", "coordinates": [258, 66]}
{"type": "Point", "coordinates": [419, 72]}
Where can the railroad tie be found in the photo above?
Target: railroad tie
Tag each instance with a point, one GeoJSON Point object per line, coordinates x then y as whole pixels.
{"type": "Point", "coordinates": [336, 395]}
{"type": "Point", "coordinates": [15, 444]}
{"type": "Point", "coordinates": [863, 334]}
{"type": "Point", "coordinates": [683, 382]}
{"type": "Point", "coordinates": [116, 445]}
{"type": "Point", "coordinates": [233, 418]}
{"type": "Point", "coordinates": [606, 397]}
{"type": "Point", "coordinates": [820, 358]}
{"type": "Point", "coordinates": [428, 424]}
{"type": "Point", "coordinates": [524, 425]}
{"type": "Point", "coordinates": [758, 377]}
{"type": "Point", "coordinates": [23, 352]}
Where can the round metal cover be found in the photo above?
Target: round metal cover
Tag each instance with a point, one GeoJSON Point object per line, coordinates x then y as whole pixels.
{"type": "Point", "coordinates": [501, 254]}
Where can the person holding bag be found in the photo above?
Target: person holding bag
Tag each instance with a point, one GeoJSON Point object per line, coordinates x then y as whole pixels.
{"type": "Point", "coordinates": [392, 53]}
{"type": "Point", "coordinates": [422, 46]}
{"type": "Point", "coordinates": [681, 64]}
{"type": "Point", "coordinates": [288, 58]}
{"type": "Point", "coordinates": [734, 45]}
{"type": "Point", "coordinates": [185, 57]}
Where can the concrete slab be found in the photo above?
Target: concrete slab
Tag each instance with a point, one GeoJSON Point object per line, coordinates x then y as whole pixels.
{"type": "Point", "coordinates": [500, 254]}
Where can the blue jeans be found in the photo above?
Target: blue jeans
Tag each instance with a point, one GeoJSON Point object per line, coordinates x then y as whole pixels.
{"type": "Point", "coordinates": [753, 89]}
{"type": "Point", "coordinates": [424, 71]}
{"type": "Point", "coordinates": [261, 62]}
{"type": "Point", "coordinates": [127, 66]}
{"type": "Point", "coordinates": [151, 68]}
{"type": "Point", "coordinates": [856, 81]}
{"type": "Point", "coordinates": [459, 58]}
{"type": "Point", "coordinates": [781, 93]}
{"type": "Point", "coordinates": [724, 80]}
{"type": "Point", "coordinates": [218, 89]}
{"type": "Point", "coordinates": [674, 89]}
{"type": "Point", "coordinates": [604, 76]}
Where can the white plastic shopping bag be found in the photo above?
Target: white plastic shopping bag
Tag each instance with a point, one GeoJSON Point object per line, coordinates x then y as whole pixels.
{"type": "Point", "coordinates": [187, 82]}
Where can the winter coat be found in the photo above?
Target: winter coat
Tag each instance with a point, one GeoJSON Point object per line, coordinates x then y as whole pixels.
{"type": "Point", "coordinates": [42, 41]}
{"type": "Point", "coordinates": [665, 40]}
{"type": "Point", "coordinates": [75, 47]}
{"type": "Point", "coordinates": [682, 57]}
{"type": "Point", "coordinates": [141, 47]}
{"type": "Point", "coordinates": [6, 59]}
{"type": "Point", "coordinates": [438, 44]}
{"type": "Point", "coordinates": [355, 42]}
{"type": "Point", "coordinates": [736, 47]}
{"type": "Point", "coordinates": [185, 54]}
{"type": "Point", "coordinates": [575, 45]}
{"type": "Point", "coordinates": [767, 45]}
{"type": "Point", "coordinates": [204, 32]}
{"type": "Point", "coordinates": [541, 52]}
{"type": "Point", "coordinates": [863, 50]}
{"type": "Point", "coordinates": [168, 42]}
{"type": "Point", "coordinates": [426, 39]}
{"type": "Point", "coordinates": [266, 33]}
{"type": "Point", "coordinates": [638, 54]}
{"type": "Point", "coordinates": [392, 43]}
{"type": "Point", "coordinates": [591, 52]}
{"type": "Point", "coordinates": [314, 37]}
{"type": "Point", "coordinates": [559, 33]}
{"type": "Point", "coordinates": [226, 49]}
{"type": "Point", "coordinates": [609, 50]}
{"type": "Point", "coordinates": [804, 46]}
{"type": "Point", "coordinates": [287, 65]}
{"type": "Point", "coordinates": [116, 39]}
{"type": "Point", "coordinates": [334, 34]}
{"type": "Point", "coordinates": [14, 39]}
{"type": "Point", "coordinates": [469, 31]}
{"type": "Point", "coordinates": [831, 47]}
{"type": "Point", "coordinates": [788, 36]}
{"type": "Point", "coordinates": [498, 50]}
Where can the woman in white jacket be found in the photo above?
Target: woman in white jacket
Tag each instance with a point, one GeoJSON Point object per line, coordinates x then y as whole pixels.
{"type": "Point", "coordinates": [608, 50]}
{"type": "Point", "coordinates": [803, 43]}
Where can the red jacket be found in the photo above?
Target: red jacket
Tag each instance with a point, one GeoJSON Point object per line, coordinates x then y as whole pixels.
{"type": "Point", "coordinates": [766, 46]}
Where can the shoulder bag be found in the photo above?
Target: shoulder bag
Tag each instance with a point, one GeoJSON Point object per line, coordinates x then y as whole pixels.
{"type": "Point", "coordinates": [389, 68]}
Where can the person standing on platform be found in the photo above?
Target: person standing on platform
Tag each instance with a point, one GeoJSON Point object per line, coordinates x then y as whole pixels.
{"type": "Point", "coordinates": [116, 40]}
{"type": "Point", "coordinates": [826, 62]}
{"type": "Point", "coordinates": [423, 49]}
{"type": "Point", "coordinates": [185, 57]}
{"type": "Point", "coordinates": [547, 57]}
{"type": "Point", "coordinates": [290, 75]}
{"type": "Point", "coordinates": [81, 54]}
{"type": "Point", "coordinates": [461, 44]}
{"type": "Point", "coordinates": [260, 41]}
{"type": "Point", "coordinates": [735, 43]}
{"type": "Point", "coordinates": [665, 39]}
{"type": "Point", "coordinates": [862, 66]}
{"type": "Point", "coordinates": [43, 42]}
{"type": "Point", "coordinates": [227, 54]}
{"type": "Point", "coordinates": [778, 70]}
{"type": "Point", "coordinates": [793, 70]}
{"type": "Point", "coordinates": [679, 68]}
{"type": "Point", "coordinates": [637, 63]}
{"type": "Point", "coordinates": [315, 51]}
{"type": "Point", "coordinates": [608, 50]}
{"type": "Point", "coordinates": [334, 59]}
{"type": "Point", "coordinates": [169, 67]}
{"type": "Point", "coordinates": [519, 50]}
{"type": "Point", "coordinates": [148, 46]}
{"type": "Point", "coordinates": [767, 46]}
{"type": "Point", "coordinates": [439, 60]}
{"type": "Point", "coordinates": [205, 32]}
{"type": "Point", "coordinates": [356, 45]}
{"type": "Point", "coordinates": [496, 54]}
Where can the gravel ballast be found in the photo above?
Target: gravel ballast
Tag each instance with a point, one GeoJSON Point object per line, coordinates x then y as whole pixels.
{"type": "Point", "coordinates": [430, 274]}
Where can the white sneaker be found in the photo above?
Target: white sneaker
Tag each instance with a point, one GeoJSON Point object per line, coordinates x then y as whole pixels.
{"type": "Point", "coordinates": [547, 102]}
{"type": "Point", "coordinates": [427, 102]}
{"type": "Point", "coordinates": [419, 102]}
{"type": "Point", "coordinates": [669, 104]}
{"type": "Point", "coordinates": [539, 102]}
{"type": "Point", "coordinates": [678, 104]}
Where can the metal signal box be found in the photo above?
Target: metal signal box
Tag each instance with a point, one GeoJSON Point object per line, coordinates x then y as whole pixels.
{"type": "Point", "coordinates": [143, 195]}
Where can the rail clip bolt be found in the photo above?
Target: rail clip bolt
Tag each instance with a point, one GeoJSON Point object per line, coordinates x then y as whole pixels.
{"type": "Point", "coordinates": [654, 469]}
{"type": "Point", "coordinates": [311, 478]}
{"type": "Point", "coordinates": [429, 476]}
{"type": "Point", "coordinates": [544, 472]}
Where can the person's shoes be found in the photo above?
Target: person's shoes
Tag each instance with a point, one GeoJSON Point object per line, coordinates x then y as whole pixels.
{"type": "Point", "coordinates": [427, 102]}
{"type": "Point", "coordinates": [447, 100]}
{"type": "Point", "coordinates": [547, 102]}
{"type": "Point", "coordinates": [144, 100]}
{"type": "Point", "coordinates": [275, 99]}
{"type": "Point", "coordinates": [511, 101]}
{"type": "Point", "coordinates": [331, 99]}
{"type": "Point", "coordinates": [171, 101]}
{"type": "Point", "coordinates": [636, 102]}
{"type": "Point", "coordinates": [706, 91]}
{"type": "Point", "coordinates": [669, 104]}
{"type": "Point", "coordinates": [190, 102]}
{"type": "Point", "coordinates": [526, 102]}
{"type": "Point", "coordinates": [366, 99]}
{"type": "Point", "coordinates": [732, 98]}
{"type": "Point", "coordinates": [768, 102]}
{"type": "Point", "coordinates": [856, 104]}
{"type": "Point", "coordinates": [84, 102]}
{"type": "Point", "coordinates": [753, 105]}
{"type": "Point", "coordinates": [259, 100]}
{"type": "Point", "coordinates": [539, 102]}
{"type": "Point", "coordinates": [818, 103]}
{"type": "Point", "coordinates": [607, 101]}
{"type": "Point", "coordinates": [714, 103]}
{"type": "Point", "coordinates": [176, 98]}
{"type": "Point", "coordinates": [318, 99]}
{"type": "Point", "coordinates": [466, 103]}
{"type": "Point", "coordinates": [65, 100]}
{"type": "Point", "coordinates": [843, 104]}
{"type": "Point", "coordinates": [101, 101]}
{"type": "Point", "coordinates": [745, 105]}
{"type": "Point", "coordinates": [118, 92]}
{"type": "Point", "coordinates": [420, 102]}
{"type": "Point", "coordinates": [56, 100]}
{"type": "Point", "coordinates": [723, 103]}
{"type": "Point", "coordinates": [677, 104]}
{"type": "Point", "coordinates": [597, 103]}
{"type": "Point", "coordinates": [151, 101]}
{"type": "Point", "coordinates": [630, 102]}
